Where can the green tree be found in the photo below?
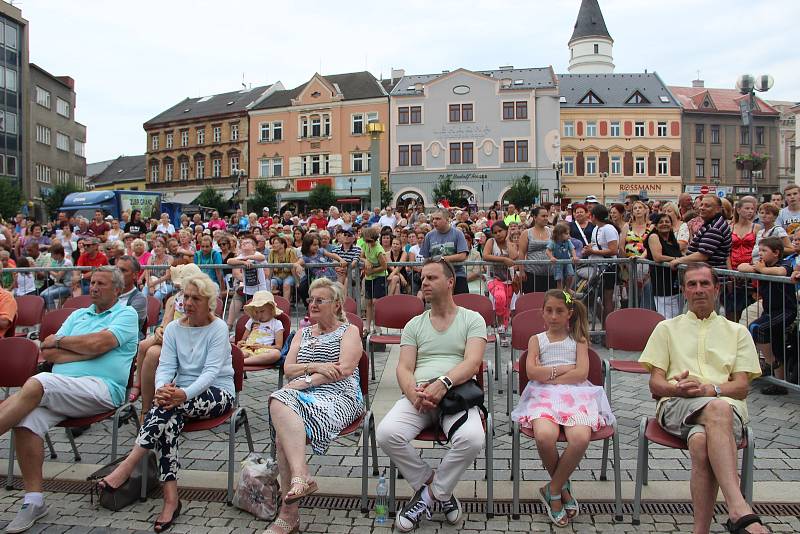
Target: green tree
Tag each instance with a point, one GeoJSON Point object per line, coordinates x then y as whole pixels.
{"type": "Point", "coordinates": [444, 189]}
{"type": "Point", "coordinates": [321, 197]}
{"type": "Point", "coordinates": [523, 192]}
{"type": "Point", "coordinates": [55, 199]}
{"type": "Point", "coordinates": [386, 194]}
{"type": "Point", "coordinates": [10, 199]}
{"type": "Point", "coordinates": [211, 198]}
{"type": "Point", "coordinates": [264, 196]}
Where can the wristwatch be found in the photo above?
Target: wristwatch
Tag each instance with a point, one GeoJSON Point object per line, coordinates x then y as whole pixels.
{"type": "Point", "coordinates": [717, 390]}
{"type": "Point", "coordinates": [307, 379]}
{"type": "Point", "coordinates": [446, 381]}
{"type": "Point", "coordinates": [58, 339]}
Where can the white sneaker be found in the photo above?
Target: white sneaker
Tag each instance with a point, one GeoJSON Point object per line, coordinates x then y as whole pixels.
{"type": "Point", "coordinates": [26, 517]}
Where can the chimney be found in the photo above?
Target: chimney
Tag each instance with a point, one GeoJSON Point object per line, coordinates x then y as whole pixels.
{"type": "Point", "coordinates": [698, 83]}
{"type": "Point", "coordinates": [66, 80]}
{"type": "Point", "coordinates": [397, 74]}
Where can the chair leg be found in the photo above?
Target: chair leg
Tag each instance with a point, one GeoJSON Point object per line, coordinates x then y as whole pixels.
{"type": "Point", "coordinates": [374, 446]}
{"type": "Point", "coordinates": [365, 435]}
{"type": "Point", "coordinates": [617, 478]}
{"type": "Point", "coordinates": [497, 358]}
{"type": "Point", "coordinates": [509, 388]}
{"type": "Point", "coordinates": [231, 448]}
{"type": "Point", "coordinates": [114, 435]}
{"type": "Point", "coordinates": [71, 438]}
{"type": "Point", "coordinates": [604, 461]}
{"type": "Point", "coordinates": [11, 452]}
{"type": "Point", "coordinates": [49, 442]}
{"type": "Point", "coordinates": [748, 458]}
{"type": "Point", "coordinates": [143, 469]}
{"type": "Point", "coordinates": [392, 502]}
{"type": "Point", "coordinates": [489, 466]}
{"type": "Point", "coordinates": [516, 474]}
{"type": "Point", "coordinates": [646, 472]}
{"type": "Point", "coordinates": [641, 467]}
{"type": "Point", "coordinates": [248, 434]}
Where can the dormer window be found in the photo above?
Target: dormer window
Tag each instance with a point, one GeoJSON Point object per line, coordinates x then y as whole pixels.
{"type": "Point", "coordinates": [315, 94]}
{"type": "Point", "coordinates": [590, 98]}
{"type": "Point", "coordinates": [637, 98]}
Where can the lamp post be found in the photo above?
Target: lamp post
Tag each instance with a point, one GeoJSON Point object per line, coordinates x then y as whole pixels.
{"type": "Point", "coordinates": [375, 130]}
{"type": "Point", "coordinates": [603, 176]}
{"type": "Point", "coordinates": [747, 84]}
{"type": "Point", "coordinates": [558, 166]}
{"type": "Point", "coordinates": [242, 200]}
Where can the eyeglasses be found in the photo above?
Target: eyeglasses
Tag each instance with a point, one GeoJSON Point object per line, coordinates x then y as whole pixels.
{"type": "Point", "coordinates": [318, 301]}
{"type": "Point", "coordinates": [445, 263]}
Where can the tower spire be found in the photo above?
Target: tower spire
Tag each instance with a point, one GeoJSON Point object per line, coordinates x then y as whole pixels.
{"type": "Point", "coordinates": [590, 45]}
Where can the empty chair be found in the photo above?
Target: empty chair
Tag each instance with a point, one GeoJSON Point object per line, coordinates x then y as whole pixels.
{"type": "Point", "coordinates": [529, 301]}
{"type": "Point", "coordinates": [350, 305]}
{"type": "Point", "coordinates": [30, 309]}
{"type": "Point", "coordinates": [20, 357]}
{"type": "Point", "coordinates": [81, 301]}
{"type": "Point", "coordinates": [153, 311]}
{"type": "Point", "coordinates": [629, 329]}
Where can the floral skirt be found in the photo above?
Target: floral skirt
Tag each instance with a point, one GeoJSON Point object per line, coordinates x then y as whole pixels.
{"type": "Point", "coordinates": [581, 404]}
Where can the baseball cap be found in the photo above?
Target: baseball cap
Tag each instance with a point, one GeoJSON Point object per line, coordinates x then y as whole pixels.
{"type": "Point", "coordinates": [591, 199]}
{"type": "Point", "coordinates": [109, 218]}
{"type": "Point", "coordinates": [265, 209]}
{"type": "Point", "coordinates": [346, 231]}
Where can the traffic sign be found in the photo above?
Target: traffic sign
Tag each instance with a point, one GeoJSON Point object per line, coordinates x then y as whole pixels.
{"type": "Point", "coordinates": [721, 193]}
{"type": "Point", "coordinates": [704, 190]}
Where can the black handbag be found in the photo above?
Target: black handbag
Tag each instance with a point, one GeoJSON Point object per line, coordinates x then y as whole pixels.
{"type": "Point", "coordinates": [128, 492]}
{"type": "Point", "coordinates": [460, 398]}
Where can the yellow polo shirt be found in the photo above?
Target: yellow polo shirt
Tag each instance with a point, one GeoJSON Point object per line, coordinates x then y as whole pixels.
{"type": "Point", "coordinates": [711, 350]}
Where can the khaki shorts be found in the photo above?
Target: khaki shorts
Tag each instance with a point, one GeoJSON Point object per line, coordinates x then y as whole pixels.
{"type": "Point", "coordinates": [678, 416]}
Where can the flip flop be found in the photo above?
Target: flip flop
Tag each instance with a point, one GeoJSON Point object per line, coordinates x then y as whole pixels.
{"type": "Point", "coordinates": [307, 488]}
{"type": "Point", "coordinates": [740, 525]}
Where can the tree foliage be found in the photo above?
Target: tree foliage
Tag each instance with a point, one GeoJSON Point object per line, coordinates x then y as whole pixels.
{"type": "Point", "coordinates": [10, 199]}
{"type": "Point", "coordinates": [444, 189]}
{"type": "Point", "coordinates": [211, 198]}
{"type": "Point", "coordinates": [264, 196]}
{"type": "Point", "coordinates": [386, 194]}
{"type": "Point", "coordinates": [55, 199]}
{"type": "Point", "coordinates": [523, 192]}
{"type": "Point", "coordinates": [321, 197]}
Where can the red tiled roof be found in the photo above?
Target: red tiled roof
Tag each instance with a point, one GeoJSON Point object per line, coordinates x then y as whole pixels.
{"type": "Point", "coordinates": [722, 100]}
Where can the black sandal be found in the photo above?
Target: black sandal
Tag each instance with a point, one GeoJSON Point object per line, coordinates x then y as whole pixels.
{"type": "Point", "coordinates": [161, 526]}
{"type": "Point", "coordinates": [741, 524]}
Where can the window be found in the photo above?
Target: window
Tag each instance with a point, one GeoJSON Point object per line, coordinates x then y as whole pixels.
{"type": "Point", "coordinates": [169, 140]}
{"type": "Point", "coordinates": [715, 134]}
{"type": "Point", "coordinates": [700, 168]}
{"type": "Point", "coordinates": [216, 167]}
{"type": "Point", "coordinates": [591, 165]}
{"type": "Point", "coordinates": [569, 165]}
{"type": "Point", "coordinates": [234, 131]}
{"type": "Point", "coordinates": [402, 115]}
{"type": "Point", "coordinates": [455, 113]}
{"type": "Point", "coordinates": [699, 133]}
{"type": "Point", "coordinates": [42, 173]}
{"type": "Point", "coordinates": [616, 165]}
{"type": "Point", "coordinates": [662, 166]}
{"type": "Point", "coordinates": [62, 107]}
{"type": "Point", "coordinates": [590, 98]}
{"type": "Point", "coordinates": [357, 124]}
{"type": "Point", "coordinates": [522, 151]}
{"type": "Point", "coordinates": [326, 125]}
{"type": "Point", "coordinates": [744, 134]}
{"type": "Point", "coordinates": [640, 165]}
{"type": "Point", "coordinates": [277, 167]}
{"type": "Point", "coordinates": [461, 153]}
{"type": "Point", "coordinates": [508, 111]}
{"type": "Point", "coordinates": [508, 151]}
{"type": "Point", "coordinates": [184, 170]}
{"type": "Point", "coordinates": [62, 141]}
{"type": "Point", "coordinates": [11, 85]}
{"type": "Point", "coordinates": [715, 168]}
{"type": "Point", "coordinates": [637, 98]}
{"type": "Point", "coordinates": [10, 124]}
{"type": "Point", "coordinates": [263, 132]}
{"type": "Point", "coordinates": [201, 136]}
{"type": "Point", "coordinates": [216, 132]}
{"type": "Point", "coordinates": [79, 147]}
{"type": "Point", "coordinates": [168, 171]}
{"type": "Point", "coordinates": [234, 164]}
{"type": "Point", "coordinates": [42, 97]}
{"type": "Point", "coordinates": [569, 128]}
{"type": "Point", "coordinates": [154, 172]}
{"type": "Point", "coordinates": [455, 153]}
{"type": "Point", "coordinates": [416, 154]}
{"type": "Point", "coordinates": [372, 116]}
{"type": "Point", "coordinates": [638, 129]}
{"type": "Point", "coordinates": [11, 165]}
{"type": "Point", "coordinates": [760, 135]}
{"type": "Point", "coordinates": [403, 155]}
{"type": "Point", "coordinates": [62, 177]}
{"type": "Point", "coordinates": [184, 137]}
{"type": "Point", "coordinates": [42, 134]}
{"type": "Point", "coordinates": [154, 142]}
{"type": "Point", "coordinates": [591, 128]}
{"type": "Point", "coordinates": [461, 113]}
{"type": "Point", "coordinates": [277, 130]}
{"type": "Point", "coordinates": [661, 130]}
{"type": "Point", "coordinates": [416, 114]}
{"type": "Point", "coordinates": [304, 127]}
{"type": "Point", "coordinates": [466, 113]}
{"type": "Point", "coordinates": [316, 126]}
{"type": "Point", "coordinates": [200, 169]}
{"type": "Point", "coordinates": [614, 130]}
{"type": "Point", "coordinates": [515, 151]}
{"type": "Point", "coordinates": [11, 37]}
{"type": "Point", "coordinates": [597, 49]}
{"type": "Point", "coordinates": [359, 162]}
{"type": "Point", "coordinates": [467, 152]}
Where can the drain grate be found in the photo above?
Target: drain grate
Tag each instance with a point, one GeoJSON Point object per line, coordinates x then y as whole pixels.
{"type": "Point", "coordinates": [333, 502]}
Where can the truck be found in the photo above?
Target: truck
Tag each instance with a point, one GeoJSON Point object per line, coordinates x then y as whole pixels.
{"type": "Point", "coordinates": [112, 203]}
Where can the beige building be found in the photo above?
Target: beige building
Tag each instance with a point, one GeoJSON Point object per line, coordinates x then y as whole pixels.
{"type": "Point", "coordinates": [787, 141]}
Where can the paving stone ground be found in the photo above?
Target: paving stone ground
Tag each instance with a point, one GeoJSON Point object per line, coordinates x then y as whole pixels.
{"type": "Point", "coordinates": [775, 420]}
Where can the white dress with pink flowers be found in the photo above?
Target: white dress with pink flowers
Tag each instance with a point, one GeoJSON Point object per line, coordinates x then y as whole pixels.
{"type": "Point", "coordinates": [582, 404]}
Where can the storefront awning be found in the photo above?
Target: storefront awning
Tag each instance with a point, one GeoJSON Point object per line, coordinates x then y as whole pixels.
{"type": "Point", "coordinates": [183, 197]}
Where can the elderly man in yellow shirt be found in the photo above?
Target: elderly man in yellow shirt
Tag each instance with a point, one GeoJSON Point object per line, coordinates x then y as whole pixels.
{"type": "Point", "coordinates": [700, 367]}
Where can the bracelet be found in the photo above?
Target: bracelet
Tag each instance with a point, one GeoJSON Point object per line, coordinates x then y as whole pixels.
{"type": "Point", "coordinates": [552, 373]}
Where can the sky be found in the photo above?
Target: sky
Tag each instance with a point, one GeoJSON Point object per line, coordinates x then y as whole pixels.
{"type": "Point", "coordinates": [132, 60]}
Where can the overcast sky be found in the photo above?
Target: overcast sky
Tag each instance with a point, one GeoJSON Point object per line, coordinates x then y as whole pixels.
{"type": "Point", "coordinates": [132, 60]}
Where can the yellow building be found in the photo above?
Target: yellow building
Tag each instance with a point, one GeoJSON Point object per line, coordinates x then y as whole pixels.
{"type": "Point", "coordinates": [620, 135]}
{"type": "Point", "coordinates": [125, 172]}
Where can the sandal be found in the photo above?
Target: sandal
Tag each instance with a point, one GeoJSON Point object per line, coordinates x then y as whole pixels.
{"type": "Point", "coordinates": [307, 487]}
{"type": "Point", "coordinates": [559, 518]}
{"type": "Point", "coordinates": [572, 506]}
{"type": "Point", "coordinates": [285, 528]}
{"type": "Point", "coordinates": [134, 393]}
{"type": "Point", "coordinates": [740, 525]}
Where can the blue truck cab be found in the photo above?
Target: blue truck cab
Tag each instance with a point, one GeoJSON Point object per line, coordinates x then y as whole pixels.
{"type": "Point", "coordinates": [112, 203]}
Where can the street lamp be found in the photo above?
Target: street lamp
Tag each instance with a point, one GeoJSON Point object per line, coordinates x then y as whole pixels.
{"type": "Point", "coordinates": [747, 84]}
{"type": "Point", "coordinates": [603, 176]}
{"type": "Point", "coordinates": [558, 166]}
{"type": "Point", "coordinates": [375, 130]}
{"type": "Point", "coordinates": [237, 192]}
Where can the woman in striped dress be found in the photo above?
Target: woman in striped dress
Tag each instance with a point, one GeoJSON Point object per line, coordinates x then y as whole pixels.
{"type": "Point", "coordinates": [321, 398]}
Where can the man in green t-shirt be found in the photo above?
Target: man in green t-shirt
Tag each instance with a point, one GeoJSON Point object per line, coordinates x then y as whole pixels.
{"type": "Point", "coordinates": [439, 349]}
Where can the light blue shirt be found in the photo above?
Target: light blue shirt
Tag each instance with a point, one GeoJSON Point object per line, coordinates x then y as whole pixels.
{"type": "Point", "coordinates": [114, 366]}
{"type": "Point", "coordinates": [196, 358]}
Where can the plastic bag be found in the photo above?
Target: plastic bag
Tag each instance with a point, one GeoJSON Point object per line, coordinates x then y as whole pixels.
{"type": "Point", "coordinates": [258, 491]}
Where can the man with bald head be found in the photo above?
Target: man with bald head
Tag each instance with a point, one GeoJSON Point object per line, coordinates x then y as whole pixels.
{"type": "Point", "coordinates": [684, 203]}
{"type": "Point", "coordinates": [712, 243]}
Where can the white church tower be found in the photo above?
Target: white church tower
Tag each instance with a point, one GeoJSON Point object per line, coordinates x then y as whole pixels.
{"type": "Point", "coordinates": [591, 46]}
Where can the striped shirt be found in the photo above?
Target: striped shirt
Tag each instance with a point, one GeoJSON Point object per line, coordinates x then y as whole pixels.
{"type": "Point", "coordinates": [714, 240]}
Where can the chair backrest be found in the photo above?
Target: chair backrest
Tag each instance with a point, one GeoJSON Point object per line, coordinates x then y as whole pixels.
{"type": "Point", "coordinates": [20, 356]}
{"type": "Point", "coordinates": [30, 309]}
{"type": "Point", "coordinates": [363, 374]}
{"type": "Point", "coordinates": [283, 303]}
{"type": "Point", "coordinates": [477, 303]}
{"type": "Point", "coordinates": [529, 301]}
{"type": "Point", "coordinates": [81, 301]}
{"type": "Point", "coordinates": [630, 328]}
{"type": "Point", "coordinates": [241, 325]}
{"type": "Point", "coordinates": [350, 305]}
{"type": "Point", "coordinates": [11, 331]}
{"type": "Point", "coordinates": [524, 326]}
{"type": "Point", "coordinates": [237, 358]}
{"type": "Point", "coordinates": [596, 370]}
{"type": "Point", "coordinates": [219, 309]}
{"type": "Point", "coordinates": [153, 311]}
{"type": "Point", "coordinates": [356, 321]}
{"type": "Point", "coordinates": [395, 311]}
{"type": "Point", "coordinates": [52, 321]}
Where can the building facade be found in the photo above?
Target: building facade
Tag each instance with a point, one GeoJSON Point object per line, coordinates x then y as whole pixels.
{"type": "Point", "coordinates": [58, 141]}
{"type": "Point", "coordinates": [201, 142]}
{"type": "Point", "coordinates": [316, 134]}
{"type": "Point", "coordinates": [713, 133]}
{"type": "Point", "coordinates": [787, 141]}
{"type": "Point", "coordinates": [125, 172]}
{"type": "Point", "coordinates": [14, 107]}
{"type": "Point", "coordinates": [482, 129]}
{"type": "Point", "coordinates": [620, 135]}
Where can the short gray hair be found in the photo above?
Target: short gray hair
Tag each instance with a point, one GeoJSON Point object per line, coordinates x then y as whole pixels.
{"type": "Point", "coordinates": [134, 262]}
{"type": "Point", "coordinates": [337, 293]}
{"type": "Point", "coordinates": [205, 286]}
{"type": "Point", "coordinates": [117, 279]}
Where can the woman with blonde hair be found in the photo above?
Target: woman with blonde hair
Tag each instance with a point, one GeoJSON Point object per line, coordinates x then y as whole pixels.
{"type": "Point", "coordinates": [679, 228]}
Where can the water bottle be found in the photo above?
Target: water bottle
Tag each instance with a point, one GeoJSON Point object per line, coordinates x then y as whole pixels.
{"type": "Point", "coordinates": [381, 500]}
{"type": "Point", "coordinates": [305, 322]}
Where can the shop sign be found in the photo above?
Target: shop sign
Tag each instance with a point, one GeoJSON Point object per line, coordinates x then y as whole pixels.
{"type": "Point", "coordinates": [464, 176]}
{"type": "Point", "coordinates": [636, 188]}
{"type": "Point", "coordinates": [307, 184]}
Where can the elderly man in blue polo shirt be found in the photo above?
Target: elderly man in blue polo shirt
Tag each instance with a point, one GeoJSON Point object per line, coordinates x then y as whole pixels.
{"type": "Point", "coordinates": [91, 355]}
